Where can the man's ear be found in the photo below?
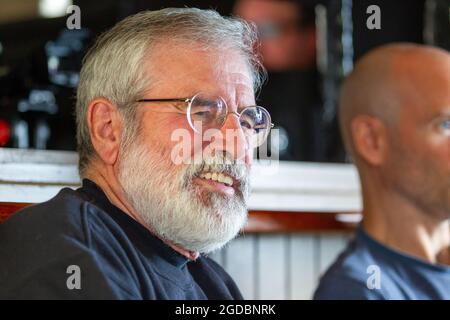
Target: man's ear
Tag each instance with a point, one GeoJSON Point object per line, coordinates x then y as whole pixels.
{"type": "Point", "coordinates": [105, 128]}
{"type": "Point", "coordinates": [369, 138]}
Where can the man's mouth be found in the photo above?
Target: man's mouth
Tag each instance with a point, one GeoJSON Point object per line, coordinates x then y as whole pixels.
{"type": "Point", "coordinates": [217, 176]}
{"type": "Point", "coordinates": [217, 181]}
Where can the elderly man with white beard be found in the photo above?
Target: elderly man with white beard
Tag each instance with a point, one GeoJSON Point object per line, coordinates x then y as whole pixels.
{"type": "Point", "coordinates": [148, 211]}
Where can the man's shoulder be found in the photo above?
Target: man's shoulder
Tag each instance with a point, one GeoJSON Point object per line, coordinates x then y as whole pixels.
{"type": "Point", "coordinates": [67, 225]}
{"type": "Point", "coordinates": [40, 243]}
{"type": "Point", "coordinates": [66, 214]}
{"type": "Point", "coordinates": [352, 275]}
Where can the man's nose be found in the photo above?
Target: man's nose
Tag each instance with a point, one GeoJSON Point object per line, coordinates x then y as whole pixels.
{"type": "Point", "coordinates": [234, 140]}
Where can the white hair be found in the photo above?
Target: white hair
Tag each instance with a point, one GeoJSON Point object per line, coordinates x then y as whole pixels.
{"type": "Point", "coordinates": [113, 69]}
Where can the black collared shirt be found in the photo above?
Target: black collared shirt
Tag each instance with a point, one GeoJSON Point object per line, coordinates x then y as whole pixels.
{"type": "Point", "coordinates": [80, 246]}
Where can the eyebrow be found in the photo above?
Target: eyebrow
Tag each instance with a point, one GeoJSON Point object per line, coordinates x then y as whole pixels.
{"type": "Point", "coordinates": [241, 108]}
{"type": "Point", "coordinates": [442, 113]}
{"type": "Point", "coordinates": [439, 115]}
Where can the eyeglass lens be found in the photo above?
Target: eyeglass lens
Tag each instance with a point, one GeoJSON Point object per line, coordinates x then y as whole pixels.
{"type": "Point", "coordinates": [211, 112]}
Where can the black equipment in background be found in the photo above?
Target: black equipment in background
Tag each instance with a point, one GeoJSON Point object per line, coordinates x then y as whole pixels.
{"type": "Point", "coordinates": [38, 106]}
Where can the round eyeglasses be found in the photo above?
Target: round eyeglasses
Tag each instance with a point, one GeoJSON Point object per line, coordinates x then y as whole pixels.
{"type": "Point", "coordinates": [205, 112]}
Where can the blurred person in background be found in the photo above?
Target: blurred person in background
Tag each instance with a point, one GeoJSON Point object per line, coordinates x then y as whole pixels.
{"type": "Point", "coordinates": [395, 120]}
{"type": "Point", "coordinates": [288, 47]}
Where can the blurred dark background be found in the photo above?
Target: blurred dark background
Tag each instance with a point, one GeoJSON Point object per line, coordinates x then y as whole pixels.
{"type": "Point", "coordinates": [308, 47]}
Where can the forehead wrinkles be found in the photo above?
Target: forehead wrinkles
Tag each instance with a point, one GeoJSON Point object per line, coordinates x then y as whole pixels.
{"type": "Point", "coordinates": [234, 77]}
{"type": "Point", "coordinates": [238, 88]}
{"type": "Point", "coordinates": [231, 65]}
{"type": "Point", "coordinates": [240, 80]}
{"type": "Point", "coordinates": [189, 70]}
{"type": "Point", "coordinates": [225, 77]}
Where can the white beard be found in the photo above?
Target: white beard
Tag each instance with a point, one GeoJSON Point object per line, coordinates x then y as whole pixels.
{"type": "Point", "coordinates": [176, 209]}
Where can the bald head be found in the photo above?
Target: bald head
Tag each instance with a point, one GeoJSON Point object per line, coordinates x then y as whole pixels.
{"type": "Point", "coordinates": [389, 80]}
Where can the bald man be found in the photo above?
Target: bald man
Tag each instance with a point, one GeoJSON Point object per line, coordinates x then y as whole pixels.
{"type": "Point", "coordinates": [395, 120]}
